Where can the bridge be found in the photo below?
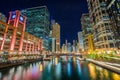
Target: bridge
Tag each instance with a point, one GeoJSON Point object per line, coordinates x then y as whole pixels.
{"type": "Point", "coordinates": [64, 54]}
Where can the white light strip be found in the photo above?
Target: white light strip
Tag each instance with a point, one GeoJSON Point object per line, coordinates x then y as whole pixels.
{"type": "Point", "coordinates": [110, 4]}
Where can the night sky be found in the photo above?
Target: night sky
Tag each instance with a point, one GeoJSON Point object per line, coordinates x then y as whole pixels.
{"type": "Point", "coordinates": [66, 12]}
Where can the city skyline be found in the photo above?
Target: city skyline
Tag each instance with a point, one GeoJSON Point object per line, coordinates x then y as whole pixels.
{"type": "Point", "coordinates": [60, 40]}
{"type": "Point", "coordinates": [70, 12]}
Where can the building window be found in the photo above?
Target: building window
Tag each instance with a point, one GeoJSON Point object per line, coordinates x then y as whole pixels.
{"type": "Point", "coordinates": [111, 45]}
{"type": "Point", "coordinates": [109, 37]}
{"type": "Point", "coordinates": [106, 46]}
{"type": "Point", "coordinates": [103, 12]}
{"type": "Point", "coordinates": [105, 38]}
{"type": "Point", "coordinates": [106, 24]}
{"type": "Point", "coordinates": [100, 1]}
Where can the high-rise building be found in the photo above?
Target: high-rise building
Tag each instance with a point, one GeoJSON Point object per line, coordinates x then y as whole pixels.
{"type": "Point", "coordinates": [3, 17]}
{"type": "Point", "coordinates": [103, 35]}
{"type": "Point", "coordinates": [38, 23]}
{"type": "Point", "coordinates": [66, 46]}
{"type": "Point", "coordinates": [63, 48]}
{"type": "Point", "coordinates": [86, 30]}
{"type": "Point", "coordinates": [69, 47]}
{"type": "Point", "coordinates": [90, 42]}
{"type": "Point", "coordinates": [56, 35]}
{"type": "Point", "coordinates": [53, 45]}
{"type": "Point", "coordinates": [75, 46]}
{"type": "Point", "coordinates": [113, 9]}
{"type": "Point", "coordinates": [80, 41]}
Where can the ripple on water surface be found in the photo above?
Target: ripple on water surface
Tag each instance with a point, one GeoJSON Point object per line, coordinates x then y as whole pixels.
{"type": "Point", "coordinates": [58, 70]}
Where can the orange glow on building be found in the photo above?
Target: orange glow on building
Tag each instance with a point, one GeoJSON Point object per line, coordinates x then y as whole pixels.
{"type": "Point", "coordinates": [14, 39]}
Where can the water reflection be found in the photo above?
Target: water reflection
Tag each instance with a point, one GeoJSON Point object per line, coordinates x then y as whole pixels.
{"type": "Point", "coordinates": [56, 70]}
{"type": "Point", "coordinates": [115, 76]}
{"type": "Point", "coordinates": [0, 75]}
{"type": "Point", "coordinates": [69, 69]}
{"type": "Point", "coordinates": [41, 67]}
{"type": "Point", "coordinates": [98, 73]}
{"type": "Point", "coordinates": [92, 71]}
{"type": "Point", "coordinates": [79, 68]}
{"type": "Point", "coordinates": [56, 61]}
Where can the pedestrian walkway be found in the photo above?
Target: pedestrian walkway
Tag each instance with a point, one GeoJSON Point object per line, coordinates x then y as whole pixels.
{"type": "Point", "coordinates": [113, 58]}
{"type": "Point", "coordinates": [110, 66]}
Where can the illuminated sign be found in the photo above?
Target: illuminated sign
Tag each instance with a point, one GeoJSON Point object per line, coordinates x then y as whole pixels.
{"type": "Point", "coordinates": [21, 18]}
{"type": "Point", "coordinates": [13, 16]}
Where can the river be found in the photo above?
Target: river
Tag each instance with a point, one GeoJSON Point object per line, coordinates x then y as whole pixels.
{"type": "Point", "coordinates": [58, 70]}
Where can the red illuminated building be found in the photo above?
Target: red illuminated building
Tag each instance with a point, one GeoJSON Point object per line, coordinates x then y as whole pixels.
{"type": "Point", "coordinates": [14, 39]}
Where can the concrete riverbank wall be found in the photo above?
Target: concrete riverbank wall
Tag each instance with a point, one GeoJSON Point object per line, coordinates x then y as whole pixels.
{"type": "Point", "coordinates": [7, 65]}
{"type": "Point", "coordinates": [102, 64]}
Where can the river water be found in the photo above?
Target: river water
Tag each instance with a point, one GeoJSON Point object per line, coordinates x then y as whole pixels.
{"type": "Point", "coordinates": [54, 70]}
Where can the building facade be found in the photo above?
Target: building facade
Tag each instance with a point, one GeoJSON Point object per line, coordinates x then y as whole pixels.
{"type": "Point", "coordinates": [53, 45]}
{"type": "Point", "coordinates": [75, 46]}
{"type": "Point", "coordinates": [80, 41]}
{"type": "Point", "coordinates": [14, 39]}
{"type": "Point", "coordinates": [3, 17]}
{"type": "Point", "coordinates": [86, 30]}
{"type": "Point", "coordinates": [91, 43]}
{"type": "Point", "coordinates": [63, 48]}
{"type": "Point", "coordinates": [56, 35]}
{"type": "Point", "coordinates": [69, 48]}
{"type": "Point", "coordinates": [113, 9]}
{"type": "Point", "coordinates": [38, 23]}
{"type": "Point", "coordinates": [103, 35]}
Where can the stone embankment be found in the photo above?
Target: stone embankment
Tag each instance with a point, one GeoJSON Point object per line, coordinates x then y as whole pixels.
{"type": "Point", "coordinates": [109, 66]}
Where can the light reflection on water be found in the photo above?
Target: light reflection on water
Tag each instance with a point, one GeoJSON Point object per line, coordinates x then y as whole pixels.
{"type": "Point", "coordinates": [116, 76]}
{"type": "Point", "coordinates": [92, 71]}
{"type": "Point", "coordinates": [69, 69]}
{"type": "Point", "coordinates": [0, 75]}
{"type": "Point", "coordinates": [79, 68]}
{"type": "Point", "coordinates": [56, 70]}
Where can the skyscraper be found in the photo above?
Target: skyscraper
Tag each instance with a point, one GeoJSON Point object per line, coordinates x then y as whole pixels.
{"type": "Point", "coordinates": [56, 35]}
{"type": "Point", "coordinates": [63, 48]}
{"type": "Point", "coordinates": [2, 30]}
{"type": "Point", "coordinates": [103, 36]}
{"type": "Point", "coordinates": [3, 17]}
{"type": "Point", "coordinates": [53, 45]}
{"type": "Point", "coordinates": [66, 46]}
{"type": "Point", "coordinates": [69, 47]}
{"type": "Point", "coordinates": [113, 9]}
{"type": "Point", "coordinates": [38, 23]}
{"type": "Point", "coordinates": [90, 42]}
{"type": "Point", "coordinates": [75, 46]}
{"type": "Point", "coordinates": [80, 41]}
{"type": "Point", "coordinates": [86, 30]}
